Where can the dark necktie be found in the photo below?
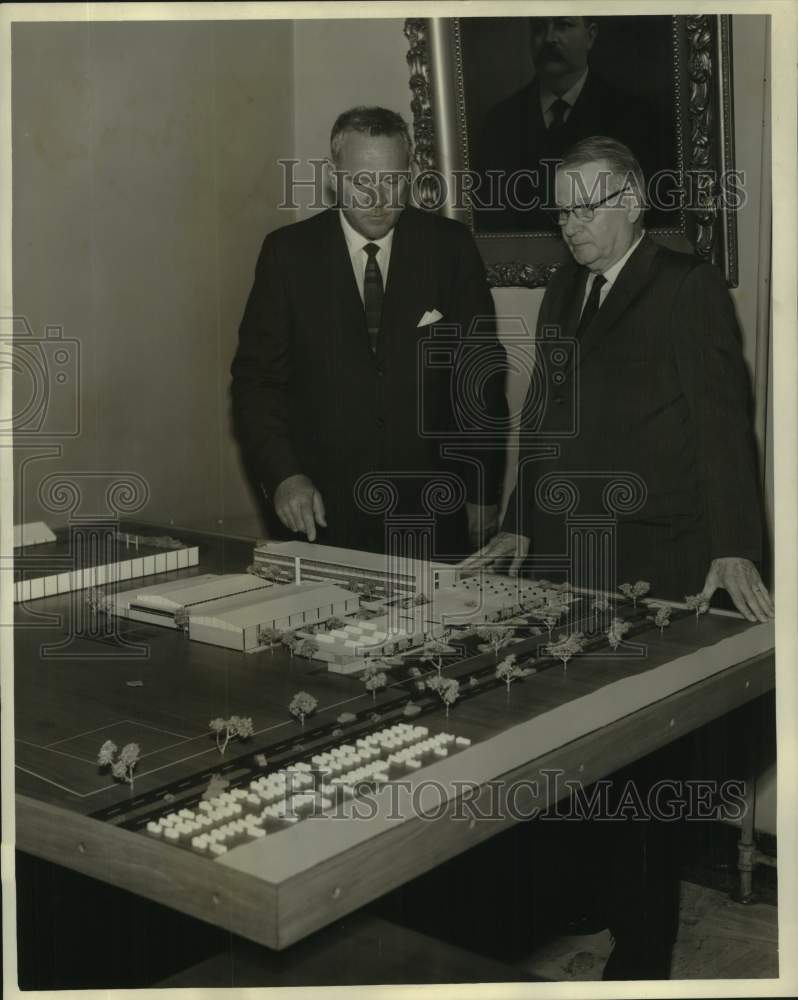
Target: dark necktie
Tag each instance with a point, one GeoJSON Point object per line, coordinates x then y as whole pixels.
{"type": "Point", "coordinates": [592, 304]}
{"type": "Point", "coordinates": [373, 294]}
{"type": "Point", "coordinates": [558, 109]}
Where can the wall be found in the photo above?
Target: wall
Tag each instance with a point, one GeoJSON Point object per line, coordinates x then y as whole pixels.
{"type": "Point", "coordinates": [339, 64]}
{"type": "Point", "coordinates": [144, 181]}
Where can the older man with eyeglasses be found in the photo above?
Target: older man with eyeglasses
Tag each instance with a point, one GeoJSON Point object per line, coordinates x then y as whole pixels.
{"type": "Point", "coordinates": [657, 388]}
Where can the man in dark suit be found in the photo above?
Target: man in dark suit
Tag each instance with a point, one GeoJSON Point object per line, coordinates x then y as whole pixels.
{"type": "Point", "coordinates": [525, 135]}
{"type": "Point", "coordinates": [332, 379]}
{"type": "Point", "coordinates": [662, 393]}
{"type": "Point", "coordinates": [658, 389]}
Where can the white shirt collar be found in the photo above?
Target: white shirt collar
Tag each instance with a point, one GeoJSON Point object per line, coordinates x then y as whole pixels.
{"type": "Point", "coordinates": [547, 98]}
{"type": "Point", "coordinates": [356, 241]}
{"type": "Point", "coordinates": [615, 269]}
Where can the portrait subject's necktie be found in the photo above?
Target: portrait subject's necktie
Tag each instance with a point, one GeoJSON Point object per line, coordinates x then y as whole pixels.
{"type": "Point", "coordinates": [592, 304]}
{"type": "Point", "coordinates": [373, 294]}
{"type": "Point", "coordinates": [558, 109]}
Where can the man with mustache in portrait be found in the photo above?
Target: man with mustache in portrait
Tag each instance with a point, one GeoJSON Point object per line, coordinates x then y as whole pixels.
{"type": "Point", "coordinates": [566, 102]}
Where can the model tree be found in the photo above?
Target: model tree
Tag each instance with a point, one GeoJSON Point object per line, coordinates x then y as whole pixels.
{"type": "Point", "coordinates": [697, 603]}
{"type": "Point", "coordinates": [617, 630]}
{"type": "Point", "coordinates": [236, 727]}
{"type": "Point", "coordinates": [302, 705]}
{"type": "Point", "coordinates": [269, 637]}
{"type": "Point", "coordinates": [565, 648]}
{"type": "Point", "coordinates": [291, 642]}
{"type": "Point", "coordinates": [662, 618]}
{"type": "Point", "coordinates": [550, 615]}
{"type": "Point", "coordinates": [508, 671]}
{"type": "Point", "coordinates": [308, 648]}
{"type": "Point", "coordinates": [374, 679]}
{"type": "Point", "coordinates": [634, 590]}
{"type": "Point", "coordinates": [493, 639]}
{"type": "Point", "coordinates": [447, 688]}
{"type": "Point", "coordinates": [122, 762]}
{"type": "Point", "coordinates": [434, 651]}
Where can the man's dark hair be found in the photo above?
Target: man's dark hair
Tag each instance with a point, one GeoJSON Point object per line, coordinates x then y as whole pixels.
{"type": "Point", "coordinates": [536, 23]}
{"type": "Point", "coordinates": [621, 160]}
{"type": "Point", "coordinates": [368, 121]}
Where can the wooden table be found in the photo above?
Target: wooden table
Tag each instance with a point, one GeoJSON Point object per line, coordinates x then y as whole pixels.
{"type": "Point", "coordinates": [65, 708]}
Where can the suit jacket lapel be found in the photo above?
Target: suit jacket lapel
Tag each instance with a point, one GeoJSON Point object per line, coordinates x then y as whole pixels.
{"type": "Point", "coordinates": [403, 273]}
{"type": "Point", "coordinates": [566, 311]}
{"type": "Point", "coordinates": [587, 107]}
{"type": "Point", "coordinates": [573, 305]}
{"type": "Point", "coordinates": [633, 278]}
{"type": "Point", "coordinates": [533, 126]}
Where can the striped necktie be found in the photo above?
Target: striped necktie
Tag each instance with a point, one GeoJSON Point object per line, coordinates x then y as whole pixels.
{"type": "Point", "coordinates": [373, 294]}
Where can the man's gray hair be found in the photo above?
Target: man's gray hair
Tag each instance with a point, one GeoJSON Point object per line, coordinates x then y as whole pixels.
{"type": "Point", "coordinates": [621, 160]}
{"type": "Point", "coordinates": [368, 121]}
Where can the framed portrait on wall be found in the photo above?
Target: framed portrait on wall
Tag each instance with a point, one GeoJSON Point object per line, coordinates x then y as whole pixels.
{"type": "Point", "coordinates": [499, 100]}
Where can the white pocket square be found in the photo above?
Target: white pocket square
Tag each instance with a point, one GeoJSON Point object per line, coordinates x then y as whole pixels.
{"type": "Point", "coordinates": [431, 316]}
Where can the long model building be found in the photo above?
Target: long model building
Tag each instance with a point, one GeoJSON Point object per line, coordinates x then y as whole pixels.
{"type": "Point", "coordinates": [381, 575]}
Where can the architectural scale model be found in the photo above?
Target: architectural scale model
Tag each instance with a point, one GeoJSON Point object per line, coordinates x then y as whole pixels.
{"type": "Point", "coordinates": [338, 606]}
{"type": "Point", "coordinates": [83, 557]}
{"type": "Point", "coordinates": [477, 681]}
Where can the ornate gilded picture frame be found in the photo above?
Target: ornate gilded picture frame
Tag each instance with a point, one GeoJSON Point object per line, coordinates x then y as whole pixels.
{"type": "Point", "coordinates": [667, 80]}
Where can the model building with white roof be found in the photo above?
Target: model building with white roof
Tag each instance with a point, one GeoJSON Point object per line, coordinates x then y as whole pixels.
{"type": "Point", "coordinates": [383, 575]}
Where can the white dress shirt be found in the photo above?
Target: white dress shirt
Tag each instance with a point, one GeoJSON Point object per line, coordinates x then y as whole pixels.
{"type": "Point", "coordinates": [610, 275]}
{"type": "Point", "coordinates": [547, 98]}
{"type": "Point", "coordinates": [355, 243]}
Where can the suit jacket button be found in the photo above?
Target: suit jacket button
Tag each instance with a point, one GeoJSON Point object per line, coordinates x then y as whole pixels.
{"type": "Point", "coordinates": [381, 422]}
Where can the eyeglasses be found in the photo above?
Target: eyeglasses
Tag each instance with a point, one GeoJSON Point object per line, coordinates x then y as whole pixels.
{"type": "Point", "coordinates": [584, 213]}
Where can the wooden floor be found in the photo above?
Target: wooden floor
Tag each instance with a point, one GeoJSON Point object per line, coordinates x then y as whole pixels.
{"type": "Point", "coordinates": [718, 939]}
